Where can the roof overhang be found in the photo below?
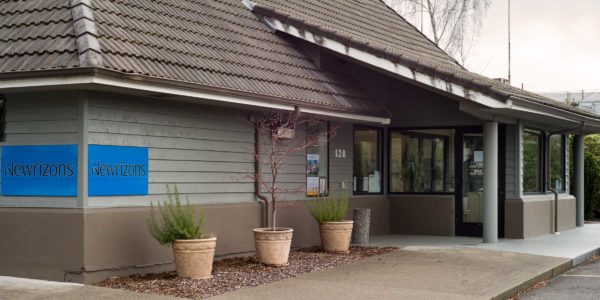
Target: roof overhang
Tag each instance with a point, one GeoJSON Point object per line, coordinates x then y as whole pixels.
{"type": "Point", "coordinates": [486, 106]}
{"type": "Point", "coordinates": [104, 80]}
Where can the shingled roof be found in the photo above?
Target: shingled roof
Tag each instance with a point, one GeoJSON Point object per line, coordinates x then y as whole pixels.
{"type": "Point", "coordinates": [217, 44]}
{"type": "Point", "coordinates": [372, 26]}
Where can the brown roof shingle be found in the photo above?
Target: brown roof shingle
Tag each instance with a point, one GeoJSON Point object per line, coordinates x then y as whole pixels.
{"type": "Point", "coordinates": [218, 44]}
{"type": "Point", "coordinates": [373, 26]}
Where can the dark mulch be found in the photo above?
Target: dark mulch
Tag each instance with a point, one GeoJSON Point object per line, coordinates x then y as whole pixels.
{"type": "Point", "coordinates": [235, 273]}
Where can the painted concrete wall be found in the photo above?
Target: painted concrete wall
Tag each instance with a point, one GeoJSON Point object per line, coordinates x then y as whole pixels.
{"type": "Point", "coordinates": [41, 119]}
{"type": "Point", "coordinates": [534, 215]}
{"type": "Point", "coordinates": [422, 214]}
{"type": "Point", "coordinates": [44, 243]}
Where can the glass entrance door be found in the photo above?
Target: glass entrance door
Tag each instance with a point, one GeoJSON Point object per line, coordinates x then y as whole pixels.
{"type": "Point", "coordinates": [472, 179]}
{"type": "Point", "coordinates": [469, 181]}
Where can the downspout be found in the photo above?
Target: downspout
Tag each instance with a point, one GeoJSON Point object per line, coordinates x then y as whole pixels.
{"type": "Point", "coordinates": [548, 173]}
{"type": "Point", "coordinates": [257, 174]}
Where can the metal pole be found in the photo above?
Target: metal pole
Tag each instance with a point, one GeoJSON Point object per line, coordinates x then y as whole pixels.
{"type": "Point", "coordinates": [490, 182]}
{"type": "Point", "coordinates": [578, 180]}
{"type": "Point", "coordinates": [509, 75]}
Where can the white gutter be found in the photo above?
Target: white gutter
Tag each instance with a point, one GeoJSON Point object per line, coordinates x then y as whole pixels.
{"type": "Point", "coordinates": [104, 81]}
{"type": "Point", "coordinates": [386, 64]}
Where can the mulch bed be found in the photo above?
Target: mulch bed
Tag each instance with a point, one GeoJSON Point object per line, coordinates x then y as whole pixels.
{"type": "Point", "coordinates": [235, 273]}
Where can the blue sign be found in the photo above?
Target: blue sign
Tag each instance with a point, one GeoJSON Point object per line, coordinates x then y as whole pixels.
{"type": "Point", "coordinates": [49, 170]}
{"type": "Point", "coordinates": [117, 170]}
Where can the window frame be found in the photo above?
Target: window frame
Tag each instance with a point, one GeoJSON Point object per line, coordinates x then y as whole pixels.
{"type": "Point", "coordinates": [327, 139]}
{"type": "Point", "coordinates": [381, 162]}
{"type": "Point", "coordinates": [542, 156]}
{"type": "Point", "coordinates": [563, 140]}
{"type": "Point", "coordinates": [419, 135]}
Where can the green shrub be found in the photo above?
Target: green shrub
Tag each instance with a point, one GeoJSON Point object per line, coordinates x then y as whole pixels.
{"type": "Point", "coordinates": [176, 222]}
{"type": "Point", "coordinates": [329, 209]}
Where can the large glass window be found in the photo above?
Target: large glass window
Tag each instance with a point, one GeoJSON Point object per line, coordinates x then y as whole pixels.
{"type": "Point", "coordinates": [317, 181]}
{"type": "Point", "coordinates": [532, 161]}
{"type": "Point", "coordinates": [557, 162]}
{"type": "Point", "coordinates": [422, 161]}
{"type": "Point", "coordinates": [367, 161]}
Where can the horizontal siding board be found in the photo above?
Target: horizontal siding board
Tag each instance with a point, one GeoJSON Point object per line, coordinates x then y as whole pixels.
{"type": "Point", "coordinates": [199, 155]}
{"type": "Point", "coordinates": [202, 188]}
{"type": "Point", "coordinates": [193, 198]}
{"type": "Point", "coordinates": [170, 143]}
{"type": "Point", "coordinates": [156, 130]}
{"type": "Point", "coordinates": [33, 127]}
{"type": "Point", "coordinates": [201, 122]}
{"type": "Point", "coordinates": [47, 114]}
{"type": "Point", "coordinates": [191, 166]}
{"type": "Point", "coordinates": [199, 177]}
{"type": "Point", "coordinates": [41, 139]}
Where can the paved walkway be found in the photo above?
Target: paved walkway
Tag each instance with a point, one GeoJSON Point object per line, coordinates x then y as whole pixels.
{"type": "Point", "coordinates": [459, 273]}
{"type": "Point", "coordinates": [578, 244]}
{"type": "Point", "coordinates": [30, 289]}
{"type": "Point", "coordinates": [426, 268]}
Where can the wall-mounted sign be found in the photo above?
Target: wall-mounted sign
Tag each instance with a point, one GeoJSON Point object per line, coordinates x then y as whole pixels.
{"type": "Point", "coordinates": [117, 170]}
{"type": "Point", "coordinates": [48, 170]}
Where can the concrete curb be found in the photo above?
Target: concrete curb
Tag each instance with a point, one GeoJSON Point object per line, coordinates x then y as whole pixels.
{"type": "Point", "coordinates": [548, 274]}
{"type": "Point", "coordinates": [585, 257]}
{"type": "Point", "coordinates": [555, 271]}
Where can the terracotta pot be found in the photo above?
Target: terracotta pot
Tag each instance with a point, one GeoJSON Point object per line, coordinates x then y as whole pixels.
{"type": "Point", "coordinates": [194, 258]}
{"type": "Point", "coordinates": [273, 247]}
{"type": "Point", "coordinates": [335, 236]}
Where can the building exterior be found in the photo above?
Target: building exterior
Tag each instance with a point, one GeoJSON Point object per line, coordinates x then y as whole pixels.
{"type": "Point", "coordinates": [106, 102]}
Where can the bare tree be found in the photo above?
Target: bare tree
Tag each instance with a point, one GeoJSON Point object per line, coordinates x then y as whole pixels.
{"type": "Point", "coordinates": [452, 24]}
{"type": "Point", "coordinates": [278, 141]}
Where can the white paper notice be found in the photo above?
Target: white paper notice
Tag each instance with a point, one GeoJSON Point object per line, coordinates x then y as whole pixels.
{"type": "Point", "coordinates": [365, 184]}
{"type": "Point", "coordinates": [375, 182]}
{"type": "Point", "coordinates": [312, 186]}
{"type": "Point", "coordinates": [478, 156]}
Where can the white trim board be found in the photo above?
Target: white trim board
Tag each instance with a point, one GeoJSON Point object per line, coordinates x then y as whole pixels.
{"type": "Point", "coordinates": [104, 81]}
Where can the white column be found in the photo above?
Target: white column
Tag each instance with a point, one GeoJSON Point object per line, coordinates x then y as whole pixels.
{"type": "Point", "coordinates": [490, 182]}
{"type": "Point", "coordinates": [578, 180]}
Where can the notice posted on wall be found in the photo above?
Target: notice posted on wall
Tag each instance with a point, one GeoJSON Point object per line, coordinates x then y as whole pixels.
{"type": "Point", "coordinates": [312, 165]}
{"type": "Point", "coordinates": [366, 184]}
{"type": "Point", "coordinates": [478, 156]}
{"type": "Point", "coordinates": [312, 186]}
{"type": "Point", "coordinates": [374, 182]}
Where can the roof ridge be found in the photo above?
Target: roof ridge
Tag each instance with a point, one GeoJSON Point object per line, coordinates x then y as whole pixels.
{"type": "Point", "coordinates": [86, 34]}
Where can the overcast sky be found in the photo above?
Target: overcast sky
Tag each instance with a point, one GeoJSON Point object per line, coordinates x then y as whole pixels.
{"type": "Point", "coordinates": [555, 44]}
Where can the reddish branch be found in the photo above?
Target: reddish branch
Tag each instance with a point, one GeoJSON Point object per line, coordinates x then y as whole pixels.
{"type": "Point", "coordinates": [274, 128]}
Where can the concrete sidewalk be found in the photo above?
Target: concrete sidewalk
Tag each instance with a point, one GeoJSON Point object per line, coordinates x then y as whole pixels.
{"type": "Point", "coordinates": [456, 273]}
{"type": "Point", "coordinates": [14, 288]}
{"type": "Point", "coordinates": [579, 244]}
{"type": "Point", "coordinates": [427, 267]}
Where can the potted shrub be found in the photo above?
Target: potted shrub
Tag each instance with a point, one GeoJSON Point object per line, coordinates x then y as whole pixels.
{"type": "Point", "coordinates": [178, 226]}
{"type": "Point", "coordinates": [276, 140]}
{"type": "Point", "coordinates": [330, 213]}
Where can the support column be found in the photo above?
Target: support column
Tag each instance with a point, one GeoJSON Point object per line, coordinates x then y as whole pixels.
{"type": "Point", "coordinates": [578, 180]}
{"type": "Point", "coordinates": [490, 182]}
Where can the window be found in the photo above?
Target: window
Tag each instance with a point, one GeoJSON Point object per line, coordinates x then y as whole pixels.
{"type": "Point", "coordinates": [557, 144]}
{"type": "Point", "coordinates": [2, 117]}
{"type": "Point", "coordinates": [532, 161]}
{"type": "Point", "coordinates": [422, 161]}
{"type": "Point", "coordinates": [367, 161]}
{"type": "Point", "coordinates": [317, 172]}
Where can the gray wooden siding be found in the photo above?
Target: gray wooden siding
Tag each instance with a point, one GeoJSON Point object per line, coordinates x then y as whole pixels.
{"type": "Point", "coordinates": [207, 152]}
{"type": "Point", "coordinates": [340, 169]}
{"type": "Point", "coordinates": [41, 119]}
{"type": "Point", "coordinates": [511, 163]}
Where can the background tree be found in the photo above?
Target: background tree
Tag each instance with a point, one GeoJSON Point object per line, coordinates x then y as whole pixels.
{"type": "Point", "coordinates": [452, 24]}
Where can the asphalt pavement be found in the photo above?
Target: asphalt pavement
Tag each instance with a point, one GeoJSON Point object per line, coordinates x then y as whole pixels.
{"type": "Point", "coordinates": [579, 283]}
